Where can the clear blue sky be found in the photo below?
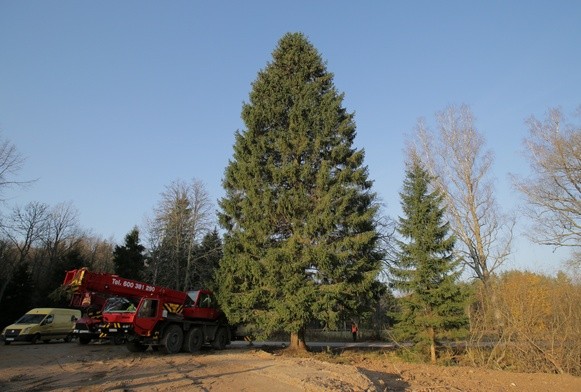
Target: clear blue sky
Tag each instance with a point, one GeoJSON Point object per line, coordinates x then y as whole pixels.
{"type": "Point", "coordinates": [111, 101]}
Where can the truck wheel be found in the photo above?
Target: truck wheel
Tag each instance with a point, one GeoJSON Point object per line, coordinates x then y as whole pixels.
{"type": "Point", "coordinates": [84, 339]}
{"type": "Point", "coordinates": [221, 339]}
{"type": "Point", "coordinates": [6, 343]}
{"type": "Point", "coordinates": [117, 340]}
{"type": "Point", "coordinates": [136, 347]}
{"type": "Point", "coordinates": [193, 340]}
{"type": "Point", "coordinates": [172, 340]}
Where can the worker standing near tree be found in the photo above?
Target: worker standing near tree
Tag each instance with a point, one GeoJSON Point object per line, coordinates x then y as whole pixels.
{"type": "Point", "coordinates": [354, 330]}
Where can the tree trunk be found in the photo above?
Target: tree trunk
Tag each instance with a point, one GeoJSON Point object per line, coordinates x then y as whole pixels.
{"type": "Point", "coordinates": [187, 285]}
{"type": "Point", "coordinates": [432, 335]}
{"type": "Point", "coordinates": [3, 288]}
{"type": "Point", "coordinates": [297, 341]}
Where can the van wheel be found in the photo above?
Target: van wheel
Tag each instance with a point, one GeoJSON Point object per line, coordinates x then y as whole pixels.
{"type": "Point", "coordinates": [193, 340]}
{"type": "Point", "coordinates": [45, 340]}
{"type": "Point", "coordinates": [172, 340]}
{"type": "Point", "coordinates": [221, 339]}
{"type": "Point", "coordinates": [68, 338]}
{"type": "Point", "coordinates": [6, 343]}
{"type": "Point", "coordinates": [35, 339]}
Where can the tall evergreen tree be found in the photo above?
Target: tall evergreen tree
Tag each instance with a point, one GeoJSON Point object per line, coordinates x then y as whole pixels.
{"type": "Point", "coordinates": [207, 260]}
{"type": "Point", "coordinates": [129, 259]}
{"type": "Point", "coordinates": [426, 270]}
{"type": "Point", "coordinates": [300, 242]}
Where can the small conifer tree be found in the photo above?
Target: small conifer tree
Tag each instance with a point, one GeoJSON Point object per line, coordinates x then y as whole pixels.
{"type": "Point", "coordinates": [426, 271]}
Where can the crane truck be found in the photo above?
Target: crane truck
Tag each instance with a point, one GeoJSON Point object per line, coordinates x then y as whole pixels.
{"type": "Point", "coordinates": [167, 320]}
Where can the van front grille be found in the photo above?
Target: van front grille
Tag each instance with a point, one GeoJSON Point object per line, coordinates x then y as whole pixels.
{"type": "Point", "coordinates": [12, 333]}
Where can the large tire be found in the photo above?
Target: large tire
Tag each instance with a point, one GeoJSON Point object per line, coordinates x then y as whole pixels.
{"type": "Point", "coordinates": [173, 337]}
{"type": "Point", "coordinates": [193, 340]}
{"type": "Point", "coordinates": [6, 342]}
{"type": "Point", "coordinates": [221, 339]}
{"type": "Point", "coordinates": [136, 347]}
{"type": "Point", "coordinates": [117, 340]}
{"type": "Point", "coordinates": [84, 339]}
{"type": "Point", "coordinates": [35, 339]}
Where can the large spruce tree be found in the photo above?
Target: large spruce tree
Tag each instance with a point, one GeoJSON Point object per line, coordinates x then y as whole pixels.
{"type": "Point", "coordinates": [300, 242]}
{"type": "Point", "coordinates": [426, 271]}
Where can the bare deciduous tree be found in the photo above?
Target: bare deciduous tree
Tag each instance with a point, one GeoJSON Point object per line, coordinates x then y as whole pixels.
{"type": "Point", "coordinates": [386, 227]}
{"type": "Point", "coordinates": [62, 228]}
{"type": "Point", "coordinates": [553, 191]}
{"type": "Point", "coordinates": [182, 218]}
{"type": "Point", "coordinates": [98, 252]}
{"type": "Point", "coordinates": [201, 223]}
{"type": "Point", "coordinates": [61, 233]}
{"type": "Point", "coordinates": [22, 228]}
{"type": "Point", "coordinates": [11, 162]}
{"type": "Point", "coordinates": [456, 156]}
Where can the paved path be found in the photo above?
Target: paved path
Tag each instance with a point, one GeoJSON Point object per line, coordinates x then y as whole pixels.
{"type": "Point", "coordinates": [361, 344]}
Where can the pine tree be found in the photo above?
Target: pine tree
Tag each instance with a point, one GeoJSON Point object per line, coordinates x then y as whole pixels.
{"type": "Point", "coordinates": [426, 271]}
{"type": "Point", "coordinates": [300, 242]}
{"type": "Point", "coordinates": [129, 259]}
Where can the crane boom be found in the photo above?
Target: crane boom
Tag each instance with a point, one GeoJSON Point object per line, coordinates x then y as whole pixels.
{"type": "Point", "coordinates": [82, 281]}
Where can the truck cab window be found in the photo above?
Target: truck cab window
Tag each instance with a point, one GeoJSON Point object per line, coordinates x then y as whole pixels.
{"type": "Point", "coordinates": [148, 308]}
{"type": "Point", "coordinates": [191, 298]}
{"type": "Point", "coordinates": [205, 301]}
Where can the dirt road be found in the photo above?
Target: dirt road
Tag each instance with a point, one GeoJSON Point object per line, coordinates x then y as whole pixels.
{"type": "Point", "coordinates": [104, 367]}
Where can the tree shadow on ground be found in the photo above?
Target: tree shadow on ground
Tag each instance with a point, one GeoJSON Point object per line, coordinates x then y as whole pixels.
{"type": "Point", "coordinates": [382, 381]}
{"type": "Point", "coordinates": [385, 381]}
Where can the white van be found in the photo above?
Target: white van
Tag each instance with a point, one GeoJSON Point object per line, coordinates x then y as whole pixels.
{"type": "Point", "coordinates": [42, 324]}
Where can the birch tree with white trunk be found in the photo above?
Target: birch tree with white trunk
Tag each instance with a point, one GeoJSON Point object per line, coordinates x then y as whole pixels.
{"type": "Point", "coordinates": [553, 190]}
{"type": "Point", "coordinates": [456, 155]}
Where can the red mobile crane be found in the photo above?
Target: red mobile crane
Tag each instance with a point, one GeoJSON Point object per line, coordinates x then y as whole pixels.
{"type": "Point", "coordinates": [166, 319]}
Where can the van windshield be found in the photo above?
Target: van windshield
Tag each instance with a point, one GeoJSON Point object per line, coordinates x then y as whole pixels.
{"type": "Point", "coordinates": [31, 319]}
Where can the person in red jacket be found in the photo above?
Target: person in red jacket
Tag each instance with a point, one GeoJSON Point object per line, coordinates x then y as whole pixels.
{"type": "Point", "coordinates": [354, 330]}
